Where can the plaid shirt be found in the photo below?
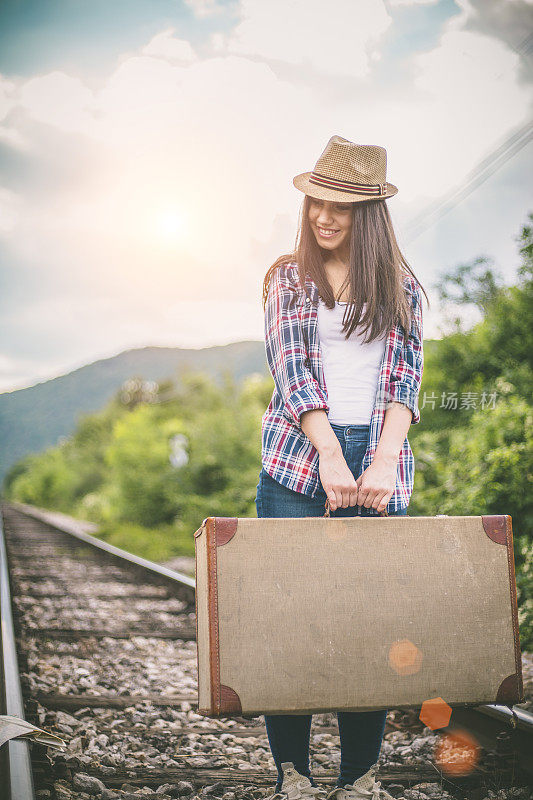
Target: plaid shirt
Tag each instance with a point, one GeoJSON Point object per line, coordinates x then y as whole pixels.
{"type": "Point", "coordinates": [293, 354]}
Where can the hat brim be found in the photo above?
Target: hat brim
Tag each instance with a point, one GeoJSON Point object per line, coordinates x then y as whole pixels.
{"type": "Point", "coordinates": [303, 183]}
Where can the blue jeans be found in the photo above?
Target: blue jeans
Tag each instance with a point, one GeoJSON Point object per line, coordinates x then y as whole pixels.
{"type": "Point", "coordinates": [361, 732]}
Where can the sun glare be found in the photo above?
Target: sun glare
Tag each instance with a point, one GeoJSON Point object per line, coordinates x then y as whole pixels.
{"type": "Point", "coordinates": [169, 225]}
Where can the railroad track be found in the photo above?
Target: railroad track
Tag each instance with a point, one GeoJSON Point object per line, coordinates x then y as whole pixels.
{"type": "Point", "coordinates": [105, 657]}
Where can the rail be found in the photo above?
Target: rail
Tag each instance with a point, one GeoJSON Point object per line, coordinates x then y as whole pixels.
{"type": "Point", "coordinates": [16, 753]}
{"type": "Point", "coordinates": [79, 529]}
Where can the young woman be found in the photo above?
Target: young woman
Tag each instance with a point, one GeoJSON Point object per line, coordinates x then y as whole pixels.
{"type": "Point", "coordinates": [343, 339]}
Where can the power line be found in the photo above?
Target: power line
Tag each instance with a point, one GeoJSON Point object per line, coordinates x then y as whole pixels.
{"type": "Point", "coordinates": [487, 167]}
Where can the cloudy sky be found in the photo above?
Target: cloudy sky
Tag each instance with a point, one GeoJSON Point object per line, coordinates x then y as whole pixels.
{"type": "Point", "coordinates": [147, 149]}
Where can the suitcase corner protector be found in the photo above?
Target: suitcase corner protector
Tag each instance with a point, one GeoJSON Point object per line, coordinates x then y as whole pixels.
{"type": "Point", "coordinates": [510, 690]}
{"type": "Point", "coordinates": [497, 527]}
{"type": "Point", "coordinates": [230, 702]}
{"type": "Point", "coordinates": [225, 529]}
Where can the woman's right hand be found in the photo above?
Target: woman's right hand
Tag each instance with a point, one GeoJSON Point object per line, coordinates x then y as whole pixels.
{"type": "Point", "coordinates": [337, 481]}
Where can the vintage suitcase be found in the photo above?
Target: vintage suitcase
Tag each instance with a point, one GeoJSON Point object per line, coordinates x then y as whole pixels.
{"type": "Point", "coordinates": [315, 614]}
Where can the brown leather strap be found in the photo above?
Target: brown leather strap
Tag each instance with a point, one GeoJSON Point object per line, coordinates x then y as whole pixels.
{"type": "Point", "coordinates": [383, 513]}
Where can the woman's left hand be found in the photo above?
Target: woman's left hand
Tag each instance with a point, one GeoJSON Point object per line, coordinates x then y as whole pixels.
{"type": "Point", "coordinates": [377, 483]}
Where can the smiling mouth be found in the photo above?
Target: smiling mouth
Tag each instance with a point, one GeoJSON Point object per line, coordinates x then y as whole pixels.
{"type": "Point", "coordinates": [327, 233]}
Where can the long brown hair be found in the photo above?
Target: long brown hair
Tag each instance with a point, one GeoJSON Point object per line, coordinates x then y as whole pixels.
{"type": "Point", "coordinates": [375, 271]}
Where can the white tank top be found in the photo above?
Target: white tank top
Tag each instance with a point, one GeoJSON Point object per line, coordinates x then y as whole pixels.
{"type": "Point", "coordinates": [351, 367]}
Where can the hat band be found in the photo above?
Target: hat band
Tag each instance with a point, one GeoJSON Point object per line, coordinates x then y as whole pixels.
{"type": "Point", "coordinates": [347, 186]}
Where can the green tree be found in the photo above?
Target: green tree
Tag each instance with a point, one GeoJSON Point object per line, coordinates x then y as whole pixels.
{"type": "Point", "coordinates": [138, 458]}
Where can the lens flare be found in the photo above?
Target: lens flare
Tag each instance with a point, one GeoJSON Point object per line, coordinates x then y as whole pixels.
{"type": "Point", "coordinates": [435, 713]}
{"type": "Point", "coordinates": [457, 753]}
{"type": "Point", "coordinates": [404, 657]}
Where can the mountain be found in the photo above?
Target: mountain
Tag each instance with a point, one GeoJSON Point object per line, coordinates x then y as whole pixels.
{"type": "Point", "coordinates": [33, 419]}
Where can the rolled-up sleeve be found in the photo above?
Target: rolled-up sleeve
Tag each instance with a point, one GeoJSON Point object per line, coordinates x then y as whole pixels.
{"type": "Point", "coordinates": [286, 353]}
{"type": "Point", "coordinates": [406, 374]}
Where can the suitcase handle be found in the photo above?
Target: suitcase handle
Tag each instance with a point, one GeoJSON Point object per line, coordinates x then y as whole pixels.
{"type": "Point", "coordinates": [383, 513]}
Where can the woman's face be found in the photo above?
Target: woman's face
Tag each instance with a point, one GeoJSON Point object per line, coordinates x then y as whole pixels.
{"type": "Point", "coordinates": [331, 224]}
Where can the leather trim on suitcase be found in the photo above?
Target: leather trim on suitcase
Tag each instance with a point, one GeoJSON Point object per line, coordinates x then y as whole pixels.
{"type": "Point", "coordinates": [202, 621]}
{"type": "Point", "coordinates": [196, 609]}
{"type": "Point", "coordinates": [219, 531]}
{"type": "Point", "coordinates": [495, 526]}
{"type": "Point", "coordinates": [226, 528]}
{"type": "Point", "coordinates": [230, 702]}
{"type": "Point", "coordinates": [498, 528]}
{"type": "Point", "coordinates": [510, 689]}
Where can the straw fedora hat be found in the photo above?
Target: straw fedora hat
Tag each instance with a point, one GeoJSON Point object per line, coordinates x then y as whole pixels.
{"type": "Point", "coordinates": [348, 173]}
